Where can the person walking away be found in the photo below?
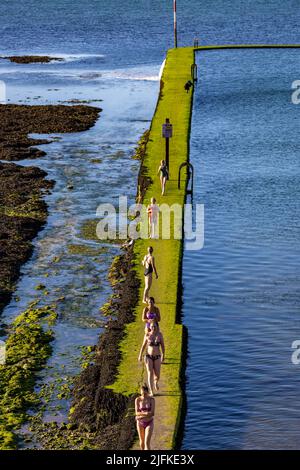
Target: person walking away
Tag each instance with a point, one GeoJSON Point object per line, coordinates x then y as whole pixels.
{"type": "Point", "coordinates": [149, 265]}
{"type": "Point", "coordinates": [164, 175]}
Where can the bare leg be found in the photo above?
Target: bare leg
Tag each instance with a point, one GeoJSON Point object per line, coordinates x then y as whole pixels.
{"type": "Point", "coordinates": [149, 366]}
{"type": "Point", "coordinates": [163, 186]}
{"type": "Point", "coordinates": [154, 229]}
{"type": "Point", "coordinates": [148, 435]}
{"type": "Point", "coordinates": [156, 372]}
{"type": "Point", "coordinates": [141, 433]}
{"type": "Point", "coordinates": [148, 283]}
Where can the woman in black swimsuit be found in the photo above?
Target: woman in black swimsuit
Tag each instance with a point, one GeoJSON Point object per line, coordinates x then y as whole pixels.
{"type": "Point", "coordinates": [144, 413]}
{"type": "Point", "coordinates": [164, 175]}
{"type": "Point", "coordinates": [149, 264]}
{"type": "Point", "coordinates": [155, 353]}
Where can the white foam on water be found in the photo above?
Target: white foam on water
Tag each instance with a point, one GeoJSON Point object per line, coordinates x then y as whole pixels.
{"type": "Point", "coordinates": [161, 70]}
{"type": "Point", "coordinates": [146, 73]}
{"type": "Point", "coordinates": [2, 353]}
{"type": "Point", "coordinates": [134, 74]}
{"type": "Point", "coordinates": [64, 57]}
{"type": "Point", "coordinates": [74, 57]}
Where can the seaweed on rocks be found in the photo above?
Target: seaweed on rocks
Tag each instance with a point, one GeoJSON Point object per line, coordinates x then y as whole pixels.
{"type": "Point", "coordinates": [27, 349]}
{"type": "Point", "coordinates": [17, 121]}
{"type": "Point", "coordinates": [96, 408]}
{"type": "Point", "coordinates": [23, 213]}
{"type": "Point", "coordinates": [32, 59]}
{"type": "Point", "coordinates": [144, 180]}
{"type": "Point", "coordinates": [98, 417]}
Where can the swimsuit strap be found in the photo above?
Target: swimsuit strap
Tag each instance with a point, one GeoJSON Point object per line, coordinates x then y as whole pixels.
{"type": "Point", "coordinates": [151, 315]}
{"type": "Point", "coordinates": [146, 407]}
{"type": "Point", "coordinates": [153, 342]}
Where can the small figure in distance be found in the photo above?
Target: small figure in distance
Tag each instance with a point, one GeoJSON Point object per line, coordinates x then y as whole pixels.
{"type": "Point", "coordinates": [164, 175]}
{"type": "Point", "coordinates": [150, 312]}
{"type": "Point", "coordinates": [127, 244]}
{"type": "Point", "coordinates": [188, 85]}
{"type": "Point", "coordinates": [149, 265]}
{"type": "Point", "coordinates": [153, 211]}
{"type": "Point", "coordinates": [155, 352]}
{"type": "Point", "coordinates": [144, 416]}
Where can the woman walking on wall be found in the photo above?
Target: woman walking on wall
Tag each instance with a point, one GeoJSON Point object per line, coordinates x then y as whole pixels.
{"type": "Point", "coordinates": [149, 265]}
{"type": "Point", "coordinates": [144, 415]}
{"type": "Point", "coordinates": [150, 313]}
{"type": "Point", "coordinates": [153, 211]}
{"type": "Point", "coordinates": [155, 352]}
{"type": "Point", "coordinates": [164, 175]}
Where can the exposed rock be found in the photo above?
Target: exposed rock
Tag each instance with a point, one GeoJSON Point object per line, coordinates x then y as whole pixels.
{"type": "Point", "coordinates": [32, 59]}
{"type": "Point", "coordinates": [17, 121]}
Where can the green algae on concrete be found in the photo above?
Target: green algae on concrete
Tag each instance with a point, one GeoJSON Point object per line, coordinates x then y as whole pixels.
{"type": "Point", "coordinates": [27, 350]}
{"type": "Point", "coordinates": [247, 46]}
{"type": "Point", "coordinates": [174, 103]}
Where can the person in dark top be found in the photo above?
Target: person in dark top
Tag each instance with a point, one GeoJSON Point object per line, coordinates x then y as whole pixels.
{"type": "Point", "coordinates": [188, 85]}
{"type": "Point", "coordinates": [149, 265]}
{"type": "Point", "coordinates": [164, 175]}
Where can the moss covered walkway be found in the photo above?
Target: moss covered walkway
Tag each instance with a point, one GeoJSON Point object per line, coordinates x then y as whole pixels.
{"type": "Point", "coordinates": [175, 103]}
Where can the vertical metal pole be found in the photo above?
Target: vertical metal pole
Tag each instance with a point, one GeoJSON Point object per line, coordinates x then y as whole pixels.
{"type": "Point", "coordinates": [167, 153]}
{"type": "Point", "coordinates": [175, 24]}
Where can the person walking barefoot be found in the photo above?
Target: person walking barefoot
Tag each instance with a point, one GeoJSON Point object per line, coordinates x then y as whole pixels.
{"type": "Point", "coordinates": [144, 415]}
{"type": "Point", "coordinates": [155, 353]}
{"type": "Point", "coordinates": [153, 211]}
{"type": "Point", "coordinates": [164, 175]}
{"type": "Point", "coordinates": [149, 265]}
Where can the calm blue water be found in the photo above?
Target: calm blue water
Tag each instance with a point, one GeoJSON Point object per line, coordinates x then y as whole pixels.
{"type": "Point", "coordinates": [131, 32]}
{"type": "Point", "coordinates": [241, 292]}
{"type": "Point", "coordinates": [241, 297]}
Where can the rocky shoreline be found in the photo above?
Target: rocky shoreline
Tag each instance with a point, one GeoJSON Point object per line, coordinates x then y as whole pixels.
{"type": "Point", "coordinates": [96, 407]}
{"type": "Point", "coordinates": [17, 121]}
{"type": "Point", "coordinates": [23, 211]}
{"type": "Point", "coordinates": [100, 418]}
{"type": "Point", "coordinates": [32, 59]}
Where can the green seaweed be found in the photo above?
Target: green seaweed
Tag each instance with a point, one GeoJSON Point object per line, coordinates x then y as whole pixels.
{"type": "Point", "coordinates": [88, 232]}
{"type": "Point", "coordinates": [27, 350]}
{"type": "Point", "coordinates": [86, 250]}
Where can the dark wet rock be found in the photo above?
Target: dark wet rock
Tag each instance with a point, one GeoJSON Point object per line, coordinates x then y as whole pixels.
{"type": "Point", "coordinates": [32, 59]}
{"type": "Point", "coordinates": [144, 180]}
{"type": "Point", "coordinates": [23, 212]}
{"type": "Point", "coordinates": [110, 416]}
{"type": "Point", "coordinates": [17, 121]}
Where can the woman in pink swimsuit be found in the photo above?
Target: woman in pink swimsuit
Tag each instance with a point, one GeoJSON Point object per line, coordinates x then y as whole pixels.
{"type": "Point", "coordinates": [150, 312]}
{"type": "Point", "coordinates": [144, 413]}
{"type": "Point", "coordinates": [155, 352]}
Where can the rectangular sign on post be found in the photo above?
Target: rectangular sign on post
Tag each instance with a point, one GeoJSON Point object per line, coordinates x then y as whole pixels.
{"type": "Point", "coordinates": [167, 130]}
